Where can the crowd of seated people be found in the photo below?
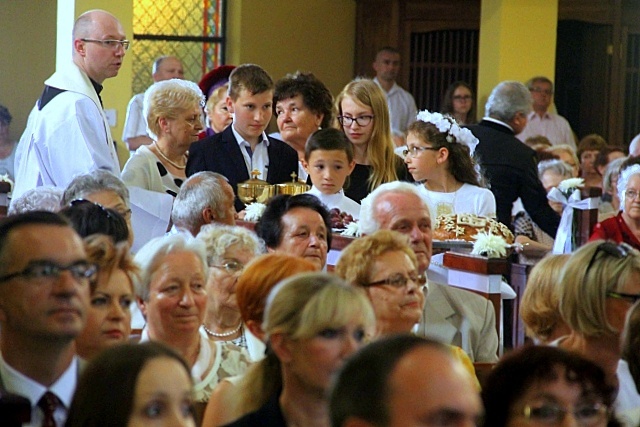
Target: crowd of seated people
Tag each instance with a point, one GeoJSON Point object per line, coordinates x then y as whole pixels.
{"type": "Point", "coordinates": [246, 324]}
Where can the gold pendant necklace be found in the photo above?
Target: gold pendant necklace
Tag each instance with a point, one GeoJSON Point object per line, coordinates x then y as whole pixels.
{"type": "Point", "coordinates": [175, 165]}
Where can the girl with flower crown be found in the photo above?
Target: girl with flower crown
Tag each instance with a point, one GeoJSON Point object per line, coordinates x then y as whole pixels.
{"type": "Point", "coordinates": [438, 156]}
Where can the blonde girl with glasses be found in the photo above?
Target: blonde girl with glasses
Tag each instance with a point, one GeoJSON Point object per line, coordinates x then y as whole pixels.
{"type": "Point", "coordinates": [439, 157]}
{"type": "Point", "coordinates": [363, 116]}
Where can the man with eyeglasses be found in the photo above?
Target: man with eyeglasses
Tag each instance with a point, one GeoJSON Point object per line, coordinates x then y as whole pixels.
{"type": "Point", "coordinates": [44, 298]}
{"type": "Point", "coordinates": [135, 124]}
{"type": "Point", "coordinates": [68, 133]}
{"type": "Point", "coordinates": [454, 316]}
{"type": "Point", "coordinates": [402, 106]}
{"type": "Point", "coordinates": [542, 122]}
{"type": "Point", "coordinates": [508, 164]}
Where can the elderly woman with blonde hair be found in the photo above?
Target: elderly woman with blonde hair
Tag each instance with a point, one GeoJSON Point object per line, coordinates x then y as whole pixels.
{"type": "Point", "coordinates": [173, 109]}
{"type": "Point", "coordinates": [229, 250]}
{"type": "Point", "coordinates": [600, 283]}
{"type": "Point", "coordinates": [385, 267]}
{"type": "Point", "coordinates": [171, 292]}
{"type": "Point", "coordinates": [539, 306]}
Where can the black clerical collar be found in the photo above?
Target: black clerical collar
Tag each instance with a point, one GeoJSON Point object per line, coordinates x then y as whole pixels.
{"type": "Point", "coordinates": [98, 88]}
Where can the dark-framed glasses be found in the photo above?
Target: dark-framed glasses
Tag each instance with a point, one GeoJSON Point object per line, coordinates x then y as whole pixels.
{"type": "Point", "coordinates": [415, 150]}
{"type": "Point", "coordinates": [82, 271]}
{"type": "Point", "coordinates": [540, 90]}
{"type": "Point", "coordinates": [586, 415]}
{"type": "Point", "coordinates": [362, 121]}
{"type": "Point", "coordinates": [631, 298]}
{"type": "Point", "coordinates": [616, 250]}
{"type": "Point", "coordinates": [110, 44]}
{"type": "Point", "coordinates": [399, 280]}
{"type": "Point", "coordinates": [462, 97]}
{"type": "Point", "coordinates": [126, 212]}
{"type": "Point", "coordinates": [231, 266]}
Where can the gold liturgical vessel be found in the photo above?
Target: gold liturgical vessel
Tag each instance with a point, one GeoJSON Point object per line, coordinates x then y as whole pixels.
{"type": "Point", "coordinates": [255, 190]}
{"type": "Point", "coordinates": [292, 188]}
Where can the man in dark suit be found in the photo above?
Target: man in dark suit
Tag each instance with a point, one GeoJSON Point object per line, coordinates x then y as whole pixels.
{"type": "Point", "coordinates": [244, 146]}
{"type": "Point", "coordinates": [44, 298]}
{"type": "Point", "coordinates": [508, 164]}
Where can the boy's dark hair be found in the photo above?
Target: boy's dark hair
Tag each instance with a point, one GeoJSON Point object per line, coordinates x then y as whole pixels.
{"type": "Point", "coordinates": [328, 139]}
{"type": "Point", "coordinates": [249, 77]}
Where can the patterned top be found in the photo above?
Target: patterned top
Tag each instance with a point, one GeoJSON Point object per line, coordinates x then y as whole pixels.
{"type": "Point", "coordinates": [524, 226]}
{"type": "Point", "coordinates": [216, 360]}
{"type": "Point", "coordinates": [145, 170]}
{"type": "Point", "coordinates": [223, 359]}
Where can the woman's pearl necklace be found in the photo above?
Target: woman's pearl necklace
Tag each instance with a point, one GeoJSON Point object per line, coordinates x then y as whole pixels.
{"type": "Point", "coordinates": [224, 334]}
{"type": "Point", "coordinates": [175, 165]}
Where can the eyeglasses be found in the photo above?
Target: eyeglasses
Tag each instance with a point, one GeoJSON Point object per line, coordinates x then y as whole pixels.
{"type": "Point", "coordinates": [617, 250]}
{"type": "Point", "coordinates": [231, 267]}
{"type": "Point", "coordinates": [415, 151]}
{"type": "Point", "coordinates": [362, 121]}
{"type": "Point", "coordinates": [110, 44]}
{"type": "Point", "coordinates": [631, 195]}
{"type": "Point", "coordinates": [631, 298]}
{"type": "Point", "coordinates": [586, 415]}
{"type": "Point", "coordinates": [81, 271]}
{"type": "Point", "coordinates": [126, 213]}
{"type": "Point", "coordinates": [462, 98]}
{"type": "Point", "coordinates": [544, 91]}
{"type": "Point", "coordinates": [194, 121]}
{"type": "Point", "coordinates": [399, 280]}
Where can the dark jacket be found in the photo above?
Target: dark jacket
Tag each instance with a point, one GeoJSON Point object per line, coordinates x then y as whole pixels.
{"type": "Point", "coordinates": [510, 167]}
{"type": "Point", "coordinates": [221, 153]}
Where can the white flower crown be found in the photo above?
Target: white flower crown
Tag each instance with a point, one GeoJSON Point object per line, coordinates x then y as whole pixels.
{"type": "Point", "coordinates": [447, 124]}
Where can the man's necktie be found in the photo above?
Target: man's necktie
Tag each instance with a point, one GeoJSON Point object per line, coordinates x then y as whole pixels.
{"type": "Point", "coordinates": [49, 402]}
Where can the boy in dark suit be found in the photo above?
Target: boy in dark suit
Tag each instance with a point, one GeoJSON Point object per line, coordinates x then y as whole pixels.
{"type": "Point", "coordinates": [243, 146]}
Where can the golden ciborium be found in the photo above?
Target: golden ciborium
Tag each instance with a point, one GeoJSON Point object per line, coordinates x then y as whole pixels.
{"type": "Point", "coordinates": [255, 190]}
{"type": "Point", "coordinates": [294, 187]}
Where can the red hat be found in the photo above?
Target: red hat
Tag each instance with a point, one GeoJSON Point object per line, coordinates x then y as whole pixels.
{"type": "Point", "coordinates": [215, 78]}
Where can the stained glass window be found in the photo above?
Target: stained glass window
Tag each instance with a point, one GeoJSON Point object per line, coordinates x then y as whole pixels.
{"type": "Point", "coordinates": [191, 30]}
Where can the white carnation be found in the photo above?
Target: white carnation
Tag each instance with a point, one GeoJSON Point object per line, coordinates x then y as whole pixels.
{"type": "Point", "coordinates": [254, 211]}
{"type": "Point", "coordinates": [568, 185]}
{"type": "Point", "coordinates": [352, 230]}
{"type": "Point", "coordinates": [489, 245]}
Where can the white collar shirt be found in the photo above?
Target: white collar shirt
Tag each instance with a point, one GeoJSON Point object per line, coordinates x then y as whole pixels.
{"type": "Point", "coordinates": [64, 387]}
{"type": "Point", "coordinates": [259, 159]}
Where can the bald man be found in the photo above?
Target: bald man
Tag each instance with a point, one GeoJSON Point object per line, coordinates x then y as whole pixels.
{"type": "Point", "coordinates": [67, 133]}
{"type": "Point", "coordinates": [135, 124]}
{"type": "Point", "coordinates": [401, 381]}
